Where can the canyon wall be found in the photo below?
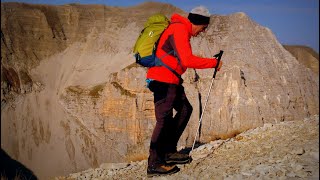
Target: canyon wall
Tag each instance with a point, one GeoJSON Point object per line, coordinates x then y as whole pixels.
{"type": "Point", "coordinates": [73, 98]}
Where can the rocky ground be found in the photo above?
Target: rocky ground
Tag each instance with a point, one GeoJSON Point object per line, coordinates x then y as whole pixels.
{"type": "Point", "coordinates": [286, 150]}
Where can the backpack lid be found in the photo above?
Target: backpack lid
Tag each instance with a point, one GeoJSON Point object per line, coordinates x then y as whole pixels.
{"type": "Point", "coordinates": [157, 19]}
{"type": "Point", "coordinates": [153, 28]}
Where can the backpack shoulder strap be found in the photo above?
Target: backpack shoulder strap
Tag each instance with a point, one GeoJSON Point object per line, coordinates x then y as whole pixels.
{"type": "Point", "coordinates": [159, 60]}
{"type": "Point", "coordinates": [160, 63]}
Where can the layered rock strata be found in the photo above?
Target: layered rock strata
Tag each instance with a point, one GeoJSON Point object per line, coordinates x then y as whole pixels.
{"type": "Point", "coordinates": [72, 97]}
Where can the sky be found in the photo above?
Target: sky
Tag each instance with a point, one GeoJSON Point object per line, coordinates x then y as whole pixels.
{"type": "Point", "coordinates": [294, 22]}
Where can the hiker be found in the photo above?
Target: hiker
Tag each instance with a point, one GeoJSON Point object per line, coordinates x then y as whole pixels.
{"type": "Point", "coordinates": [168, 91]}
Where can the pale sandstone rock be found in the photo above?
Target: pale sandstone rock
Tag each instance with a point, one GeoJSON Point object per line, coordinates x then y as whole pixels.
{"type": "Point", "coordinates": [86, 103]}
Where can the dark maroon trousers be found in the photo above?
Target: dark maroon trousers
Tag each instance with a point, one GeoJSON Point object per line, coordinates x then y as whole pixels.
{"type": "Point", "coordinates": [168, 128]}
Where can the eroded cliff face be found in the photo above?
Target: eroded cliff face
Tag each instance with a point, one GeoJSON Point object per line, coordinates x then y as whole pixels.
{"type": "Point", "coordinates": [72, 97]}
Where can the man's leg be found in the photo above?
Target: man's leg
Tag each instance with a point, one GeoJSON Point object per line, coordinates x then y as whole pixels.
{"type": "Point", "coordinates": [164, 95]}
{"type": "Point", "coordinates": [181, 119]}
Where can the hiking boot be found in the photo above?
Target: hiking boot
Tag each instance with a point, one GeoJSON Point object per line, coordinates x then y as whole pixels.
{"type": "Point", "coordinates": [162, 169]}
{"type": "Point", "coordinates": [177, 158]}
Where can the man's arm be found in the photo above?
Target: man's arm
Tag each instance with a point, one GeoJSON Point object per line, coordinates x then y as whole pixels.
{"type": "Point", "coordinates": [181, 45]}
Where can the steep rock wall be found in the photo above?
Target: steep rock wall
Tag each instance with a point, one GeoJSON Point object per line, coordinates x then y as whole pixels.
{"type": "Point", "coordinates": [84, 101]}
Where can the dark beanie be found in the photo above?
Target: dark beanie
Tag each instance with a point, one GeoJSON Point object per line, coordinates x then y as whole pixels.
{"type": "Point", "coordinates": [199, 16]}
{"type": "Point", "coordinates": [197, 19]}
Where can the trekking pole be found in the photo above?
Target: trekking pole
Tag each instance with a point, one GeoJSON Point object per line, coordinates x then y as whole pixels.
{"type": "Point", "coordinates": [218, 56]}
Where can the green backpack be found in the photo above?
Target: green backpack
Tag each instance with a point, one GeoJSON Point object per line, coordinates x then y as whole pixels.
{"type": "Point", "coordinates": [146, 44]}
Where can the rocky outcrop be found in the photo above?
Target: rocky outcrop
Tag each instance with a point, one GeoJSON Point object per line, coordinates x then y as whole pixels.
{"type": "Point", "coordinates": [306, 56]}
{"type": "Point", "coordinates": [71, 90]}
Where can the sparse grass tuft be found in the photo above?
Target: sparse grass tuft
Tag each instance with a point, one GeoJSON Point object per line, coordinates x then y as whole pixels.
{"type": "Point", "coordinates": [94, 92]}
{"type": "Point", "coordinates": [122, 90]}
{"type": "Point", "coordinates": [75, 90]}
{"type": "Point", "coordinates": [229, 134]}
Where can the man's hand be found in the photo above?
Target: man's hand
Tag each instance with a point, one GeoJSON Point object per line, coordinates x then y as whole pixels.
{"type": "Point", "coordinates": [220, 64]}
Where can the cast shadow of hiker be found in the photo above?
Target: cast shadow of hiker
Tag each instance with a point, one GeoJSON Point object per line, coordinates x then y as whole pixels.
{"type": "Point", "coordinates": [12, 169]}
{"type": "Point", "coordinates": [188, 149]}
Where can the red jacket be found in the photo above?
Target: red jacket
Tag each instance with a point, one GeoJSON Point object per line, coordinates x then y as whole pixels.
{"type": "Point", "coordinates": [177, 37]}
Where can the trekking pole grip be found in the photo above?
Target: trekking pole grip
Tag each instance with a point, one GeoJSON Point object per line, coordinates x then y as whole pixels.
{"type": "Point", "coordinates": [218, 56]}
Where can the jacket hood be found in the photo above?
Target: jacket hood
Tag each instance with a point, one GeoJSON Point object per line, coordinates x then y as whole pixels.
{"type": "Point", "coordinates": [176, 18]}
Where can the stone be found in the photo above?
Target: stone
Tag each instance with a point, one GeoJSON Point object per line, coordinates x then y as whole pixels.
{"type": "Point", "coordinates": [268, 125]}
{"type": "Point", "coordinates": [196, 155]}
{"type": "Point", "coordinates": [315, 155]}
{"type": "Point", "coordinates": [246, 173]}
{"type": "Point", "coordinates": [114, 165]}
{"type": "Point", "coordinates": [297, 167]}
{"type": "Point", "coordinates": [298, 151]}
{"type": "Point", "coordinates": [291, 174]}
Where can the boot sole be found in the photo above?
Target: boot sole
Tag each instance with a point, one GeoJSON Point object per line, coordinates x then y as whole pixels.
{"type": "Point", "coordinates": [179, 162]}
